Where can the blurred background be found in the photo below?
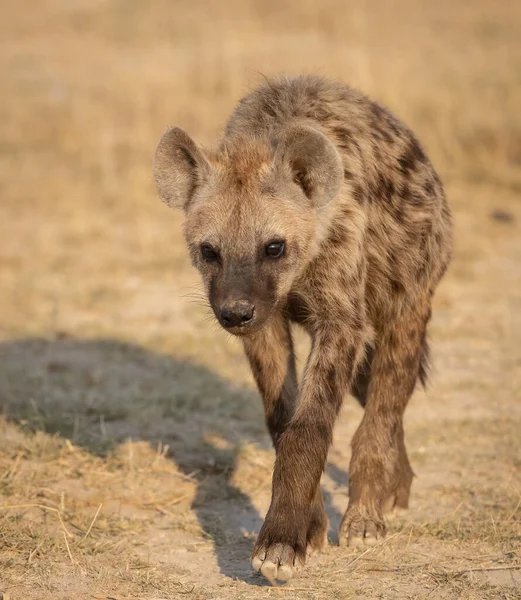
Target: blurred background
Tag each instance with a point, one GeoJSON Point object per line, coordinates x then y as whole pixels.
{"type": "Point", "coordinates": [102, 345]}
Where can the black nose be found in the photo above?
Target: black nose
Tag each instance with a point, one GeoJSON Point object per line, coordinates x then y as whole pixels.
{"type": "Point", "coordinates": [237, 314]}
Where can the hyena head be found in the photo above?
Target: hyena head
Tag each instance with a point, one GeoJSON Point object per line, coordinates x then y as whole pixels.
{"type": "Point", "coordinates": [252, 214]}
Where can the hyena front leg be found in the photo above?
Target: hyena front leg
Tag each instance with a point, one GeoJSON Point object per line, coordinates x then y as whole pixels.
{"type": "Point", "coordinates": [302, 452]}
{"type": "Point", "coordinates": [272, 360]}
{"type": "Point", "coordinates": [380, 474]}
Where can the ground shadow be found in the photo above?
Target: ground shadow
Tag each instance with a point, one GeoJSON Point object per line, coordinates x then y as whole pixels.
{"type": "Point", "coordinates": [100, 392]}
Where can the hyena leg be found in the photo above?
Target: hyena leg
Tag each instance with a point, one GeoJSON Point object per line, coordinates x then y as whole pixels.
{"type": "Point", "coordinates": [400, 487]}
{"type": "Point", "coordinates": [380, 473]}
{"type": "Point", "coordinates": [301, 456]}
{"type": "Point", "coordinates": [272, 360]}
{"type": "Point", "coordinates": [401, 483]}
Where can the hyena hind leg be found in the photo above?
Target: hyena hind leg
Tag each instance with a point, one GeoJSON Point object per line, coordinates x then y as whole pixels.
{"type": "Point", "coordinates": [400, 489]}
{"type": "Point", "coordinates": [401, 482]}
{"type": "Point", "coordinates": [379, 473]}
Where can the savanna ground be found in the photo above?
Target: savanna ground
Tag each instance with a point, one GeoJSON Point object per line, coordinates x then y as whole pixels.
{"type": "Point", "coordinates": [134, 463]}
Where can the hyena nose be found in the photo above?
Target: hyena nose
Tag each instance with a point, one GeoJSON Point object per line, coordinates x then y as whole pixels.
{"type": "Point", "coordinates": [237, 314]}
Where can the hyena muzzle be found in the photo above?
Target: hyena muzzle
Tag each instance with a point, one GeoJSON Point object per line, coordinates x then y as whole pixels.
{"type": "Point", "coordinates": [318, 208]}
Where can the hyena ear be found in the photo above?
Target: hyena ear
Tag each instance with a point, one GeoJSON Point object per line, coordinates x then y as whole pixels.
{"type": "Point", "coordinates": [312, 162]}
{"type": "Point", "coordinates": [179, 167]}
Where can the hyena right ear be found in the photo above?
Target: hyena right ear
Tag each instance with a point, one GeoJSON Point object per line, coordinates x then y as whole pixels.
{"type": "Point", "coordinates": [179, 167]}
{"type": "Point", "coordinates": [311, 160]}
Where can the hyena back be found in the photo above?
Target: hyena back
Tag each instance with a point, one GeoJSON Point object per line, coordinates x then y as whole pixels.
{"type": "Point", "coordinates": [320, 208]}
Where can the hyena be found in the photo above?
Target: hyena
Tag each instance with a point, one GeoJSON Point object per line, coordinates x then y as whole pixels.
{"type": "Point", "coordinates": [318, 208]}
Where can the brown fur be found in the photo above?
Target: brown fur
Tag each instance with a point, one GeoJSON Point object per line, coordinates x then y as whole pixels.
{"type": "Point", "coordinates": [368, 237]}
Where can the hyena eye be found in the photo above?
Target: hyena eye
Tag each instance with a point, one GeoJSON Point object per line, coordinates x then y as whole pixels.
{"type": "Point", "coordinates": [275, 249]}
{"type": "Point", "coordinates": [208, 253]}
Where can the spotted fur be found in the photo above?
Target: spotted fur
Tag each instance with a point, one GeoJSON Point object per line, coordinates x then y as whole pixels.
{"type": "Point", "coordinates": [368, 236]}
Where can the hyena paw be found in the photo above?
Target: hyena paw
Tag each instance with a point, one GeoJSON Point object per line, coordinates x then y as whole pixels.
{"type": "Point", "coordinates": [277, 561]}
{"type": "Point", "coordinates": [282, 545]}
{"type": "Point", "coordinates": [359, 528]}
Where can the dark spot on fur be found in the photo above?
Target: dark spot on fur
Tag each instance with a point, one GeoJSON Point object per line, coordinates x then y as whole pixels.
{"type": "Point", "coordinates": [406, 162]}
{"type": "Point", "coordinates": [404, 192]}
{"type": "Point", "coordinates": [342, 133]}
{"type": "Point", "coordinates": [428, 188]}
{"type": "Point", "coordinates": [387, 136]}
{"type": "Point", "coordinates": [376, 110]}
{"type": "Point", "coordinates": [337, 236]}
{"type": "Point", "coordinates": [358, 193]}
{"type": "Point", "coordinates": [397, 287]}
{"type": "Point", "coordinates": [410, 362]}
{"type": "Point", "coordinates": [384, 188]}
{"type": "Point", "coordinates": [417, 151]}
{"type": "Point", "coordinates": [412, 155]}
{"type": "Point", "coordinates": [399, 214]}
{"type": "Point", "coordinates": [346, 140]}
{"type": "Point", "coordinates": [348, 175]}
{"type": "Point", "coordinates": [379, 124]}
{"type": "Point", "coordinates": [393, 340]}
{"type": "Point", "coordinates": [391, 122]}
{"type": "Point", "coordinates": [377, 154]}
{"type": "Point", "coordinates": [268, 109]}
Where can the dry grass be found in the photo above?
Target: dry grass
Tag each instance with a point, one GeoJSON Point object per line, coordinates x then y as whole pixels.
{"type": "Point", "coordinates": [133, 458]}
{"type": "Point", "coordinates": [68, 514]}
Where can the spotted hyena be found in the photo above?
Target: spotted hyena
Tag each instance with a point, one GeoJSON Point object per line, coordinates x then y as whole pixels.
{"type": "Point", "coordinates": [320, 208]}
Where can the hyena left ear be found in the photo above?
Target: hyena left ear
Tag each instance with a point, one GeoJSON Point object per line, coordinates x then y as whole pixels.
{"type": "Point", "coordinates": [179, 167]}
{"type": "Point", "coordinates": [311, 160]}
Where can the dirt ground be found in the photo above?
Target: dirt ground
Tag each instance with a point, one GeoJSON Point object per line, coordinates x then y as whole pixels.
{"type": "Point", "coordinates": [134, 462]}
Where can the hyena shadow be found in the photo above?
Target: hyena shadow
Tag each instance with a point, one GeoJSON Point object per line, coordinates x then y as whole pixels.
{"type": "Point", "coordinates": [100, 392]}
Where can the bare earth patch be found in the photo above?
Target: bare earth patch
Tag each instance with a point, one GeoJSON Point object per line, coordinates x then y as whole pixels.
{"type": "Point", "coordinates": [134, 462]}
